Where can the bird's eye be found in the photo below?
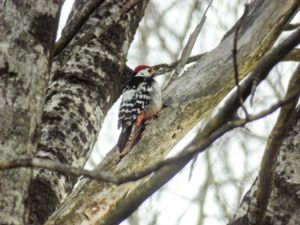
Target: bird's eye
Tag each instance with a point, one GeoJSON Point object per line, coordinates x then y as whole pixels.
{"type": "Point", "coordinates": [149, 70]}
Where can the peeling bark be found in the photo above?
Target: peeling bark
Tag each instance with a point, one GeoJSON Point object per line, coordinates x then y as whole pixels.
{"type": "Point", "coordinates": [25, 51]}
{"type": "Point", "coordinates": [196, 92]}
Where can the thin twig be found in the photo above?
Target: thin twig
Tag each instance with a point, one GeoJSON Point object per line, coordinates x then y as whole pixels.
{"type": "Point", "coordinates": [188, 47]}
{"type": "Point", "coordinates": [235, 65]}
{"type": "Point", "coordinates": [166, 68]}
{"type": "Point", "coordinates": [291, 26]}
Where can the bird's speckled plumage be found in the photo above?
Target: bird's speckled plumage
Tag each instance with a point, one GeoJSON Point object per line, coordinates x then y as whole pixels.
{"type": "Point", "coordinates": [141, 101]}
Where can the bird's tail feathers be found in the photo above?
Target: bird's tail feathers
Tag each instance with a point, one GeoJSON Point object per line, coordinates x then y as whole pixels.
{"type": "Point", "coordinates": [129, 137]}
{"type": "Point", "coordinates": [125, 133]}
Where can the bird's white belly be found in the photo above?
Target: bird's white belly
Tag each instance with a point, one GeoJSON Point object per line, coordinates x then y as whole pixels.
{"type": "Point", "coordinates": [156, 103]}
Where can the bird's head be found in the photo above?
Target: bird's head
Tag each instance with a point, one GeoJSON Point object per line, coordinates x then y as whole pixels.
{"type": "Point", "coordinates": [143, 71]}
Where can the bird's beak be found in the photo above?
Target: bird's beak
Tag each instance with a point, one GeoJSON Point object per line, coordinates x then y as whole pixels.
{"type": "Point", "coordinates": [153, 72]}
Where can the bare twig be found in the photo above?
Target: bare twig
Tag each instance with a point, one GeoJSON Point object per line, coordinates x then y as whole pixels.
{"type": "Point", "coordinates": [57, 167]}
{"type": "Point", "coordinates": [188, 47]}
{"type": "Point", "coordinates": [267, 167]}
{"type": "Point", "coordinates": [291, 26]}
{"type": "Point", "coordinates": [235, 65]}
{"type": "Point", "coordinates": [165, 68]}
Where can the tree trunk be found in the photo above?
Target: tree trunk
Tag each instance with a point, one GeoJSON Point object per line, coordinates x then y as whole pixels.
{"type": "Point", "coordinates": [25, 53]}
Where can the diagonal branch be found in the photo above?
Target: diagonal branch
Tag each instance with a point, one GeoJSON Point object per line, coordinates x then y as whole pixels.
{"type": "Point", "coordinates": [291, 26]}
{"type": "Point", "coordinates": [285, 47]}
{"type": "Point", "coordinates": [166, 68]}
{"type": "Point", "coordinates": [161, 177]}
{"type": "Point", "coordinates": [235, 65]}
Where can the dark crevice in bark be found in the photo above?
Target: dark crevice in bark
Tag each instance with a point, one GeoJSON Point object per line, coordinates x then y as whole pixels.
{"type": "Point", "coordinates": [41, 31]}
{"type": "Point", "coordinates": [38, 210]}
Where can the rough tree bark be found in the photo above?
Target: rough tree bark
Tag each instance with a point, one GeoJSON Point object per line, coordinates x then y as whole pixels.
{"type": "Point", "coordinates": [25, 53]}
{"type": "Point", "coordinates": [205, 84]}
{"type": "Point", "coordinates": [86, 79]}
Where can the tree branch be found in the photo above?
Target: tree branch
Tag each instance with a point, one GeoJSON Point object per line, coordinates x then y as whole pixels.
{"type": "Point", "coordinates": [166, 68]}
{"type": "Point", "coordinates": [161, 177]}
{"type": "Point", "coordinates": [235, 65]}
{"type": "Point", "coordinates": [186, 52]}
{"type": "Point", "coordinates": [291, 26]}
{"type": "Point", "coordinates": [97, 31]}
{"type": "Point", "coordinates": [78, 17]}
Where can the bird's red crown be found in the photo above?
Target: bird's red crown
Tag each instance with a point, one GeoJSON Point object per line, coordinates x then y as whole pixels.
{"type": "Point", "coordinates": [140, 67]}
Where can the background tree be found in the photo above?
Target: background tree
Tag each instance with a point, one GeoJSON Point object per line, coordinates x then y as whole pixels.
{"type": "Point", "coordinates": [88, 73]}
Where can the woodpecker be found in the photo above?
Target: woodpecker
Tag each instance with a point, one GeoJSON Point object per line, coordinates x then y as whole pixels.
{"type": "Point", "coordinates": [141, 101]}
